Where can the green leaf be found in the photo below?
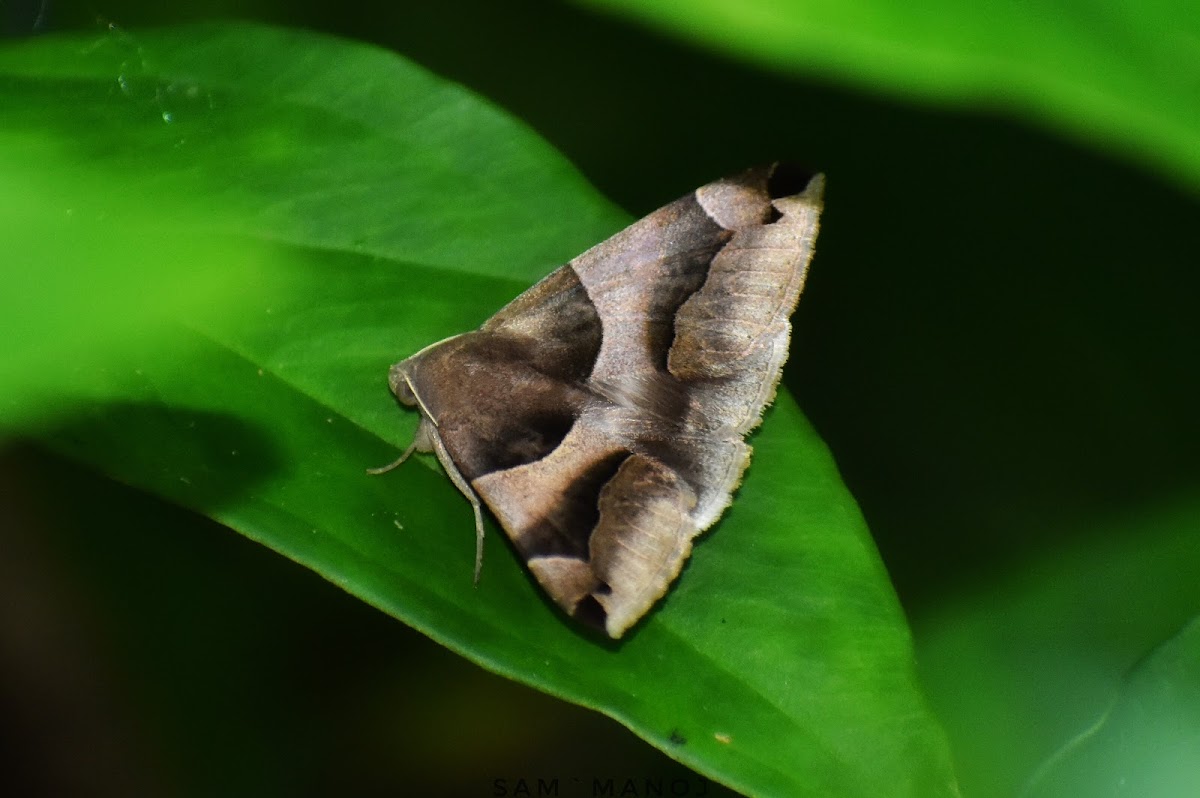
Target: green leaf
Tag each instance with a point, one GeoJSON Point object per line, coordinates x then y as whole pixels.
{"type": "Point", "coordinates": [1148, 743]}
{"type": "Point", "coordinates": [398, 209]}
{"type": "Point", "coordinates": [172, 169]}
{"type": "Point", "coordinates": [1122, 75]}
{"type": "Point", "coordinates": [94, 269]}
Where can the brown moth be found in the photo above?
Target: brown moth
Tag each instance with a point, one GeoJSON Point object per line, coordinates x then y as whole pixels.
{"type": "Point", "coordinates": [601, 415]}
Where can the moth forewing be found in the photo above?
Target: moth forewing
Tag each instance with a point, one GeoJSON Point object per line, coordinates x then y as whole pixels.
{"type": "Point", "coordinates": [600, 415]}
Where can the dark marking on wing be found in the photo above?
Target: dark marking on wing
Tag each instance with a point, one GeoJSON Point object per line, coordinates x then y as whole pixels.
{"type": "Point", "coordinates": [656, 397]}
{"type": "Point", "coordinates": [556, 324]}
{"type": "Point", "coordinates": [682, 274]}
{"type": "Point", "coordinates": [508, 394]}
{"type": "Point", "coordinates": [566, 530]}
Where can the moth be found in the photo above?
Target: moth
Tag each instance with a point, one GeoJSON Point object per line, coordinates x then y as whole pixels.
{"type": "Point", "coordinates": [601, 415]}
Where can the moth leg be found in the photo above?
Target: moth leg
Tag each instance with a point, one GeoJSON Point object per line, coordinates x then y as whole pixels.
{"type": "Point", "coordinates": [412, 447]}
{"type": "Point", "coordinates": [427, 440]}
{"type": "Point", "coordinates": [420, 443]}
{"type": "Point", "coordinates": [464, 487]}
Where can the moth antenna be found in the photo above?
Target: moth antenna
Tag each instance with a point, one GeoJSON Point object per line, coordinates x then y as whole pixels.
{"type": "Point", "coordinates": [417, 396]}
{"type": "Point", "coordinates": [434, 345]}
{"type": "Point", "coordinates": [464, 487]}
{"type": "Point", "coordinates": [478, 540]}
{"type": "Point", "coordinates": [424, 441]}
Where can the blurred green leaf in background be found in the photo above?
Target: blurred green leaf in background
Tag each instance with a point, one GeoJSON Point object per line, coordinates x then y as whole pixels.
{"type": "Point", "coordinates": [1120, 74]}
{"type": "Point", "coordinates": [219, 236]}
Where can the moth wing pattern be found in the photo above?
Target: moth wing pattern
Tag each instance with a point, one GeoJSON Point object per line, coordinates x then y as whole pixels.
{"type": "Point", "coordinates": [601, 415]}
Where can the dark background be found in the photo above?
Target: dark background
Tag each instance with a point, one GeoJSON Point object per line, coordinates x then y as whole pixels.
{"type": "Point", "coordinates": [997, 340]}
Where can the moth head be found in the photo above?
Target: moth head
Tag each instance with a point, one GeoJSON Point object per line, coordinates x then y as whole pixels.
{"type": "Point", "coordinates": [401, 384]}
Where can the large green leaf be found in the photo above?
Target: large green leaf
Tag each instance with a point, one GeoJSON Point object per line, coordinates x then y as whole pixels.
{"type": "Point", "coordinates": [398, 209]}
{"type": "Point", "coordinates": [94, 268]}
{"type": "Point", "coordinates": [1119, 73]}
